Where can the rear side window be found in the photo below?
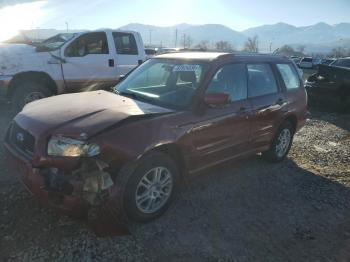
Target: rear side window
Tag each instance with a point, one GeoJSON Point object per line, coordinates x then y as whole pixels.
{"type": "Point", "coordinates": [290, 77]}
{"type": "Point", "coordinates": [125, 43]}
{"type": "Point", "coordinates": [87, 44]}
{"type": "Point", "coordinates": [261, 80]}
{"type": "Point", "coordinates": [232, 80]}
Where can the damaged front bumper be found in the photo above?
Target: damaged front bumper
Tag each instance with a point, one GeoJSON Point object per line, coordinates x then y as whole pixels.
{"type": "Point", "coordinates": [82, 192]}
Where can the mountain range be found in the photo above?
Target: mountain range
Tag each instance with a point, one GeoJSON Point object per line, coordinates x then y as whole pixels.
{"type": "Point", "coordinates": [320, 37]}
{"type": "Point", "coordinates": [317, 38]}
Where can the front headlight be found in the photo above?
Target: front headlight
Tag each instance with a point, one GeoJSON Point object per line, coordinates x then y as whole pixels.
{"type": "Point", "coordinates": [69, 147]}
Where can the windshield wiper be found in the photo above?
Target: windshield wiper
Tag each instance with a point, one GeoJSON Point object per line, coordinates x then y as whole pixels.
{"type": "Point", "coordinates": [132, 95]}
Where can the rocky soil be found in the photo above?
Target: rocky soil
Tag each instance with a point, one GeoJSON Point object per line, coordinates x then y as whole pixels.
{"type": "Point", "coordinates": [247, 210]}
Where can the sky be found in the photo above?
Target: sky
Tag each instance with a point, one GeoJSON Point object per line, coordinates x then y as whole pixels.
{"type": "Point", "coordinates": [236, 14]}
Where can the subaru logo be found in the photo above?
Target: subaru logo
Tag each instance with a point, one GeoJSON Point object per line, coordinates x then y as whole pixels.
{"type": "Point", "coordinates": [20, 137]}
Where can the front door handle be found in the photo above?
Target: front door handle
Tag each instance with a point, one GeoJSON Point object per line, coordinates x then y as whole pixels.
{"type": "Point", "coordinates": [111, 62]}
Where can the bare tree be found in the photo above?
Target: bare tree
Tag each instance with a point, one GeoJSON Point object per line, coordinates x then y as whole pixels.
{"type": "Point", "coordinates": [288, 51]}
{"type": "Point", "coordinates": [203, 45]}
{"type": "Point", "coordinates": [339, 52]}
{"type": "Point", "coordinates": [252, 44]}
{"type": "Point", "coordinates": [223, 46]}
{"type": "Point", "coordinates": [301, 48]}
{"type": "Point", "coordinates": [187, 41]}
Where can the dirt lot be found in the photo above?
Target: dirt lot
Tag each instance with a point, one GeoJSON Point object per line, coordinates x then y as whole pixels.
{"type": "Point", "coordinates": [248, 210]}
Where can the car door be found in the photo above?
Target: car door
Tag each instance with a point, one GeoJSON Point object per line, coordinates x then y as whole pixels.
{"type": "Point", "coordinates": [267, 102]}
{"type": "Point", "coordinates": [222, 133]}
{"type": "Point", "coordinates": [127, 52]}
{"type": "Point", "coordinates": [89, 63]}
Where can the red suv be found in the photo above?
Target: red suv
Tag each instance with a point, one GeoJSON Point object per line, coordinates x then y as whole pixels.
{"type": "Point", "coordinates": [173, 116]}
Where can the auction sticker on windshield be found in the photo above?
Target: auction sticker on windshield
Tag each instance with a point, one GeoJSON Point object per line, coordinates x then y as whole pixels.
{"type": "Point", "coordinates": [188, 68]}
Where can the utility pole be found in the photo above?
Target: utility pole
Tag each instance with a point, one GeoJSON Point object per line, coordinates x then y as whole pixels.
{"type": "Point", "coordinates": [175, 37]}
{"type": "Point", "coordinates": [270, 46]}
{"type": "Point", "coordinates": [184, 41]}
{"type": "Point", "coordinates": [150, 37]}
{"type": "Point", "coordinates": [66, 26]}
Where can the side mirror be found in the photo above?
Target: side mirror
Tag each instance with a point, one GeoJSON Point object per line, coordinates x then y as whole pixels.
{"type": "Point", "coordinates": [217, 99]}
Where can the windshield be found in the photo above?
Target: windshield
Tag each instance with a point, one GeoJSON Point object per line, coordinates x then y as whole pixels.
{"type": "Point", "coordinates": [54, 42]}
{"type": "Point", "coordinates": [167, 83]}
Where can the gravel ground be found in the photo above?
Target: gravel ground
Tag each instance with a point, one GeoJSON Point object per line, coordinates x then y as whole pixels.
{"type": "Point", "coordinates": [248, 210]}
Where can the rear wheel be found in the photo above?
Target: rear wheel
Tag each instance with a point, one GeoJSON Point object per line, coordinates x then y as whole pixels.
{"type": "Point", "coordinates": [281, 143]}
{"type": "Point", "coordinates": [27, 92]}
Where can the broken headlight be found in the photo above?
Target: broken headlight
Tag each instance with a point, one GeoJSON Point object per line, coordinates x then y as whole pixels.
{"type": "Point", "coordinates": [69, 147]}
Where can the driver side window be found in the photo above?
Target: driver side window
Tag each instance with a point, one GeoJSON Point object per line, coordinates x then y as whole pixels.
{"type": "Point", "coordinates": [90, 43]}
{"type": "Point", "coordinates": [232, 80]}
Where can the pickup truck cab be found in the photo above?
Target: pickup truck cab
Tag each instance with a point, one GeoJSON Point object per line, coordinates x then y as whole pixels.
{"type": "Point", "coordinates": [66, 63]}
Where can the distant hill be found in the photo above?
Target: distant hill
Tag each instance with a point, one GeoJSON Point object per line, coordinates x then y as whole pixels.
{"type": "Point", "coordinates": [198, 33]}
{"type": "Point", "coordinates": [166, 36]}
{"type": "Point", "coordinates": [320, 38]}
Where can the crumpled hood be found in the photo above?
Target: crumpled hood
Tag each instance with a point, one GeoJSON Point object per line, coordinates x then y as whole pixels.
{"type": "Point", "coordinates": [12, 54]}
{"type": "Point", "coordinates": [88, 112]}
{"type": "Point", "coordinates": [16, 49]}
{"type": "Point", "coordinates": [15, 58]}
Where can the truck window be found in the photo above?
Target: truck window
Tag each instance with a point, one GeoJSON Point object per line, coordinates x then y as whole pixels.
{"type": "Point", "coordinates": [232, 80]}
{"type": "Point", "coordinates": [90, 43]}
{"type": "Point", "coordinates": [289, 76]}
{"type": "Point", "coordinates": [260, 80]}
{"type": "Point", "coordinates": [125, 43]}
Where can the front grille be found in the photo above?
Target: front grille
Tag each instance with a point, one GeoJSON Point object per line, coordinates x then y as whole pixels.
{"type": "Point", "coordinates": [21, 139]}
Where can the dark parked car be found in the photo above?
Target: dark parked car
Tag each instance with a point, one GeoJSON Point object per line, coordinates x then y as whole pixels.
{"type": "Point", "coordinates": [173, 116]}
{"type": "Point", "coordinates": [342, 62]}
{"type": "Point", "coordinates": [330, 86]}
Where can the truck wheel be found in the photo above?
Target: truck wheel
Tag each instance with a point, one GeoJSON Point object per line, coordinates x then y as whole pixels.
{"type": "Point", "coordinates": [27, 92]}
{"type": "Point", "coordinates": [281, 143]}
{"type": "Point", "coordinates": [149, 187]}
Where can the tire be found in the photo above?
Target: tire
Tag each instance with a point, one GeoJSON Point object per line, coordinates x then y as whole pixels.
{"type": "Point", "coordinates": [132, 181]}
{"type": "Point", "coordinates": [281, 143]}
{"type": "Point", "coordinates": [27, 92]}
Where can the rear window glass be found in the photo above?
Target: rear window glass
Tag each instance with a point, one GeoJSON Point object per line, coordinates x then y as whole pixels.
{"type": "Point", "coordinates": [261, 80]}
{"type": "Point", "coordinates": [290, 77]}
{"type": "Point", "coordinates": [125, 43]}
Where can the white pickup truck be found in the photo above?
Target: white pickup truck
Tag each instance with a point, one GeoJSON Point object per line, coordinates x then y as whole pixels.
{"type": "Point", "coordinates": [67, 63]}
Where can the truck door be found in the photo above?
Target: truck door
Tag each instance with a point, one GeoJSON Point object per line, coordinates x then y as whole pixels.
{"type": "Point", "coordinates": [128, 53]}
{"type": "Point", "coordinates": [89, 63]}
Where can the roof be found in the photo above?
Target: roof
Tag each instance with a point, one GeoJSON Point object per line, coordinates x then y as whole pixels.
{"type": "Point", "coordinates": [209, 56]}
{"type": "Point", "coordinates": [193, 55]}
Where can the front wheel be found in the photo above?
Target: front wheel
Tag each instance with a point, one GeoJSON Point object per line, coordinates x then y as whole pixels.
{"type": "Point", "coordinates": [150, 188]}
{"type": "Point", "coordinates": [281, 143]}
{"type": "Point", "coordinates": [27, 92]}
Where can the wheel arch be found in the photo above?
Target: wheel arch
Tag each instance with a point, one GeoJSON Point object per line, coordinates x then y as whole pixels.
{"type": "Point", "coordinates": [174, 151]}
{"type": "Point", "coordinates": [292, 119]}
{"type": "Point", "coordinates": [37, 76]}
